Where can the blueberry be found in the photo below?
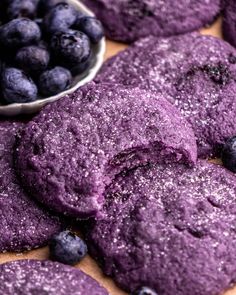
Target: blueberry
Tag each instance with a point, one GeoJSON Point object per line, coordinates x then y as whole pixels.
{"type": "Point", "coordinates": [71, 49]}
{"type": "Point", "coordinates": [19, 32]}
{"type": "Point", "coordinates": [54, 81]}
{"type": "Point", "coordinates": [60, 18]}
{"type": "Point", "coordinates": [92, 27]}
{"type": "Point", "coordinates": [39, 22]}
{"type": "Point", "coordinates": [17, 87]}
{"type": "Point", "coordinates": [46, 5]}
{"type": "Point", "coordinates": [80, 68]}
{"type": "Point", "coordinates": [79, 17]}
{"type": "Point", "coordinates": [219, 73]}
{"type": "Point", "coordinates": [22, 8]}
{"type": "Point", "coordinates": [229, 154]}
{"type": "Point", "coordinates": [232, 58]}
{"type": "Point", "coordinates": [67, 248]}
{"type": "Point", "coordinates": [144, 291]}
{"type": "Point", "coordinates": [33, 59]}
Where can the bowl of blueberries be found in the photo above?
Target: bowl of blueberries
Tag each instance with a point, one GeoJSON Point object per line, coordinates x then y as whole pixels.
{"type": "Point", "coordinates": [48, 48]}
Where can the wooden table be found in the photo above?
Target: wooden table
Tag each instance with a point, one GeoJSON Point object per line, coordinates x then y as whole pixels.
{"type": "Point", "coordinates": [88, 265]}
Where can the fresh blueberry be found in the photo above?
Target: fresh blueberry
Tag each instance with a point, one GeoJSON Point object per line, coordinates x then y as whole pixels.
{"type": "Point", "coordinates": [219, 73]}
{"type": "Point", "coordinates": [144, 291]}
{"type": "Point", "coordinates": [39, 22]}
{"type": "Point", "coordinates": [33, 59]}
{"type": "Point", "coordinates": [22, 8]}
{"type": "Point", "coordinates": [67, 248]}
{"type": "Point", "coordinates": [19, 32]}
{"type": "Point", "coordinates": [229, 154]}
{"type": "Point", "coordinates": [80, 68]}
{"type": "Point", "coordinates": [71, 49]}
{"type": "Point", "coordinates": [80, 15]}
{"type": "Point", "coordinates": [17, 87]}
{"type": "Point", "coordinates": [232, 58]}
{"type": "Point", "coordinates": [92, 27]}
{"type": "Point", "coordinates": [54, 81]}
{"type": "Point", "coordinates": [60, 18]}
{"type": "Point", "coordinates": [46, 5]}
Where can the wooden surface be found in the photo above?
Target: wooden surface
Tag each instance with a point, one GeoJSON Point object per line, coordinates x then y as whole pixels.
{"type": "Point", "coordinates": [88, 265]}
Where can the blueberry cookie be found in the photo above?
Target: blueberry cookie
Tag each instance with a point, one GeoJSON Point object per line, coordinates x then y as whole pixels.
{"type": "Point", "coordinates": [169, 228]}
{"type": "Point", "coordinates": [74, 147]}
{"type": "Point", "coordinates": [200, 78]}
{"type": "Point", "coordinates": [129, 20]}
{"type": "Point", "coordinates": [33, 277]}
{"type": "Point", "coordinates": [229, 22]}
{"type": "Point", "coordinates": [23, 223]}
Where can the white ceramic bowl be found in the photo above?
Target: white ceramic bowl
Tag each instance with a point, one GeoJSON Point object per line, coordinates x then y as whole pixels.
{"type": "Point", "coordinates": [78, 81]}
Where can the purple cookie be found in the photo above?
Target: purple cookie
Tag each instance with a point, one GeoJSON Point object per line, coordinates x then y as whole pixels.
{"type": "Point", "coordinates": [33, 277]}
{"type": "Point", "coordinates": [129, 20]}
{"type": "Point", "coordinates": [69, 153]}
{"type": "Point", "coordinates": [23, 223]}
{"type": "Point", "coordinates": [170, 228]}
{"type": "Point", "coordinates": [229, 21]}
{"type": "Point", "coordinates": [200, 76]}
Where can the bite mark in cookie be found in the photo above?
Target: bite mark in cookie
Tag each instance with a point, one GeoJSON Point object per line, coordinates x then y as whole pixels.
{"type": "Point", "coordinates": [74, 148]}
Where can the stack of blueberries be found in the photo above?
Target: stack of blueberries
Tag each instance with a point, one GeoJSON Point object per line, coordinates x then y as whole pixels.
{"type": "Point", "coordinates": [43, 44]}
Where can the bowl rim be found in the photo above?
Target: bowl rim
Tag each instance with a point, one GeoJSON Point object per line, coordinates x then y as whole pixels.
{"type": "Point", "coordinates": [32, 107]}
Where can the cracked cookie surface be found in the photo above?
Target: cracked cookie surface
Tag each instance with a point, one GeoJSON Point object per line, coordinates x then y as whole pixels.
{"type": "Point", "coordinates": [72, 150]}
{"type": "Point", "coordinates": [24, 224]}
{"type": "Point", "coordinates": [33, 277]}
{"type": "Point", "coordinates": [170, 228]}
{"type": "Point", "coordinates": [129, 20]}
{"type": "Point", "coordinates": [200, 78]}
